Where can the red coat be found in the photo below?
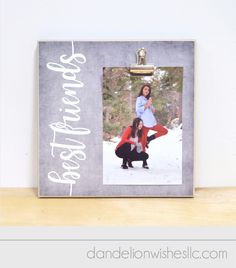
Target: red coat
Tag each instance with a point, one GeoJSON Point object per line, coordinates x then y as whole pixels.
{"type": "Point", "coordinates": [125, 138]}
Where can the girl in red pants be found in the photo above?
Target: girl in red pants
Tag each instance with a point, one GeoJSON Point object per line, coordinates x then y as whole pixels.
{"type": "Point", "coordinates": [145, 111]}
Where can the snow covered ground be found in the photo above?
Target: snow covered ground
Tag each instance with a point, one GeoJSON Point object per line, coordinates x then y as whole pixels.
{"type": "Point", "coordinates": [165, 162]}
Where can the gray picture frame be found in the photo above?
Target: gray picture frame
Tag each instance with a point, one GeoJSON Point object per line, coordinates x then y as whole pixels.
{"type": "Point", "coordinates": [71, 87]}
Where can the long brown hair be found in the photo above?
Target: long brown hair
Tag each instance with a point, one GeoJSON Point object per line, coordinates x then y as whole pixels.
{"type": "Point", "coordinates": [141, 91]}
{"type": "Point", "coordinates": [134, 127]}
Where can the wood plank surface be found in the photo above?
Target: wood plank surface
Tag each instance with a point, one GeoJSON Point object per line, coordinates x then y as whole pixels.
{"type": "Point", "coordinates": [209, 207]}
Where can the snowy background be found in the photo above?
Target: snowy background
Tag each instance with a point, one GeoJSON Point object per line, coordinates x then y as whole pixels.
{"type": "Point", "coordinates": [165, 162]}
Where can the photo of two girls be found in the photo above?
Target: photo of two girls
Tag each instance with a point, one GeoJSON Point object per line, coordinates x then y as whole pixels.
{"type": "Point", "coordinates": [135, 139]}
{"type": "Point", "coordinates": [142, 127]}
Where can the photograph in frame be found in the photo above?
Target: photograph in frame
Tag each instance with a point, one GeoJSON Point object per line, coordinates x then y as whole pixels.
{"type": "Point", "coordinates": [158, 144]}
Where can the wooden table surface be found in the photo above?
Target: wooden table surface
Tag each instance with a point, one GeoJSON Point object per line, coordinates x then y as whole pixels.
{"type": "Point", "coordinates": [209, 207]}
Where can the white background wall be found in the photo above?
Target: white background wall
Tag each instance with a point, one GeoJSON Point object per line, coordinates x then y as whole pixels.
{"type": "Point", "coordinates": [211, 23]}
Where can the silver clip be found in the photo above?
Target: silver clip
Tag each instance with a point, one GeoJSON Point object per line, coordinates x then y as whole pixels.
{"type": "Point", "coordinates": [141, 68]}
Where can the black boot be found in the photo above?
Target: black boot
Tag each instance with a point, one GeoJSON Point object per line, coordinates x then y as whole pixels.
{"type": "Point", "coordinates": [124, 164]}
{"type": "Point", "coordinates": [150, 138]}
{"type": "Point", "coordinates": [130, 164]}
{"type": "Point", "coordinates": [145, 165]}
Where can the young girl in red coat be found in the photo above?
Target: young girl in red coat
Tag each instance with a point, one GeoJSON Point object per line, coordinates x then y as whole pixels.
{"type": "Point", "coordinates": [131, 147]}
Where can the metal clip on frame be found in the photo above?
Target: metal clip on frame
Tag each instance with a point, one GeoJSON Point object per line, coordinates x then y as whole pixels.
{"type": "Point", "coordinates": [141, 68]}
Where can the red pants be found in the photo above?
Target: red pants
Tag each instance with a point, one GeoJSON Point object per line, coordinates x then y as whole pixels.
{"type": "Point", "coordinates": [160, 131]}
